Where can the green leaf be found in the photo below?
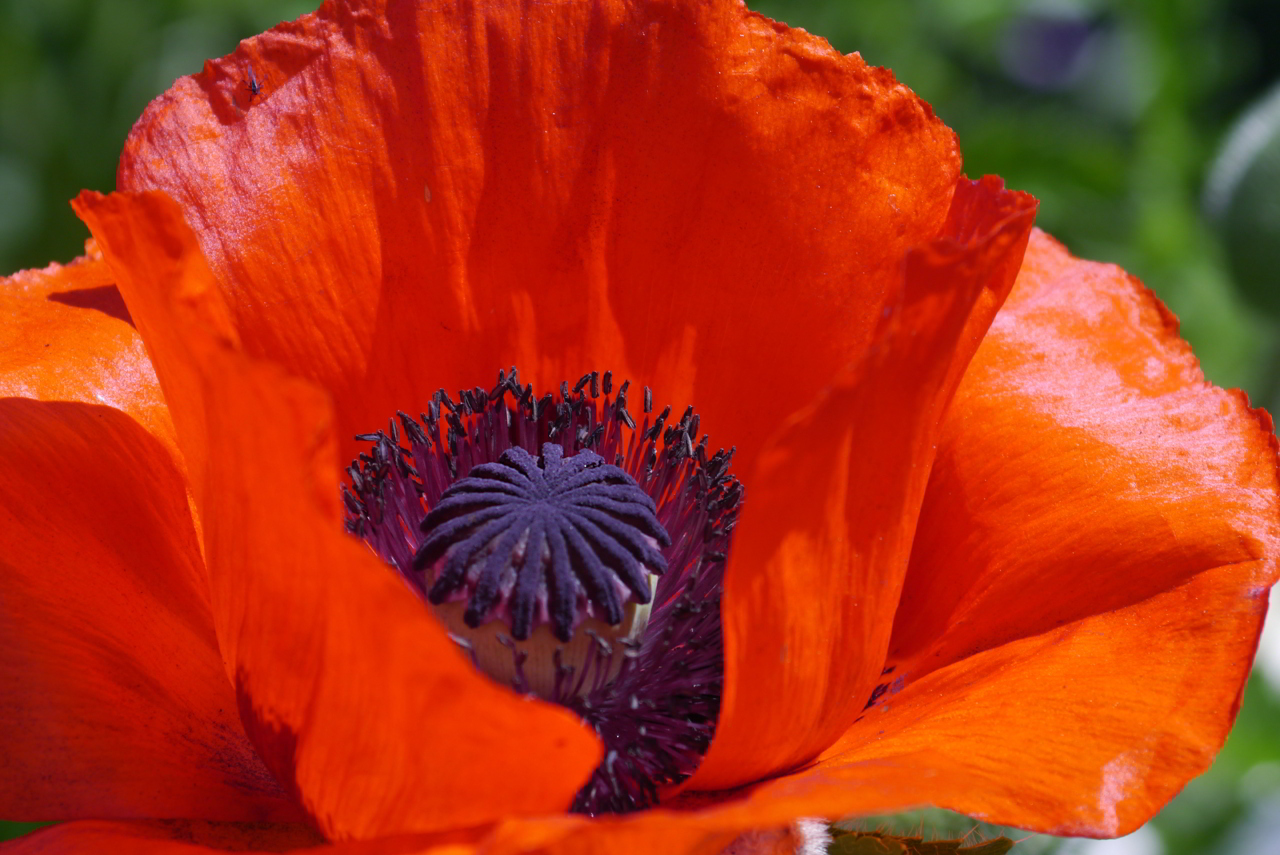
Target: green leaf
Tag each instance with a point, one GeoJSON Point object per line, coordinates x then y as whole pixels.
{"type": "Point", "coordinates": [11, 830]}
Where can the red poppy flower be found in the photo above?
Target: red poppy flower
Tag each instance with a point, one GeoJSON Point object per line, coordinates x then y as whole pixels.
{"type": "Point", "coordinates": [1002, 550]}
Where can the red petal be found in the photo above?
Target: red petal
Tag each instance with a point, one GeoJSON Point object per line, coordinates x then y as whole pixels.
{"type": "Point", "coordinates": [185, 837]}
{"type": "Point", "coordinates": [115, 700]}
{"type": "Point", "coordinates": [1085, 730]}
{"type": "Point", "coordinates": [349, 688]}
{"type": "Point", "coordinates": [822, 547]}
{"type": "Point", "coordinates": [423, 193]}
{"type": "Point", "coordinates": [654, 831]}
{"type": "Point", "coordinates": [67, 336]}
{"type": "Point", "coordinates": [1102, 525]}
{"type": "Point", "coordinates": [1084, 466]}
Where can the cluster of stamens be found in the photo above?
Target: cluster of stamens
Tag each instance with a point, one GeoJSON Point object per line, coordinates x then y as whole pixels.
{"type": "Point", "coordinates": [574, 552]}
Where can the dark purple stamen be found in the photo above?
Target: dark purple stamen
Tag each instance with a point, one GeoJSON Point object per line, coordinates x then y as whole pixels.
{"type": "Point", "coordinates": [560, 510]}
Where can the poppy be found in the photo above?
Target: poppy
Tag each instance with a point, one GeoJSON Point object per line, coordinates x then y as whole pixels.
{"type": "Point", "coordinates": [986, 540]}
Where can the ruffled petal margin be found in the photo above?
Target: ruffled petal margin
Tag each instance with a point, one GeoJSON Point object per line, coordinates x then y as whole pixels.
{"type": "Point", "coordinates": [683, 192]}
{"type": "Point", "coordinates": [349, 689]}
{"type": "Point", "coordinates": [1085, 465]}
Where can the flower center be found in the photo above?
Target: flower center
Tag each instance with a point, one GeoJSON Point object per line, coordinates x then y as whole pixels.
{"type": "Point", "coordinates": [569, 543]}
{"type": "Point", "coordinates": [573, 554]}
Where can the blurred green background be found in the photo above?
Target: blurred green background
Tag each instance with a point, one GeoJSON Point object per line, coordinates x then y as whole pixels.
{"type": "Point", "coordinates": [1147, 128]}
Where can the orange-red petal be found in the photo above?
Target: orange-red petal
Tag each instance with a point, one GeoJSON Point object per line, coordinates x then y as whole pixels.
{"type": "Point", "coordinates": [1084, 730]}
{"type": "Point", "coordinates": [115, 702]}
{"type": "Point", "coordinates": [351, 691]}
{"type": "Point", "coordinates": [67, 336]}
{"type": "Point", "coordinates": [186, 837]}
{"type": "Point", "coordinates": [822, 546]}
{"type": "Point", "coordinates": [1084, 466]}
{"type": "Point", "coordinates": [655, 832]}
{"type": "Point", "coordinates": [423, 193]}
{"type": "Point", "coordinates": [1088, 581]}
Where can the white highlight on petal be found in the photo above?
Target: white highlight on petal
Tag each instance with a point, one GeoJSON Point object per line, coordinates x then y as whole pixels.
{"type": "Point", "coordinates": [812, 836]}
{"type": "Point", "coordinates": [1118, 778]}
{"type": "Point", "coordinates": [804, 837]}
